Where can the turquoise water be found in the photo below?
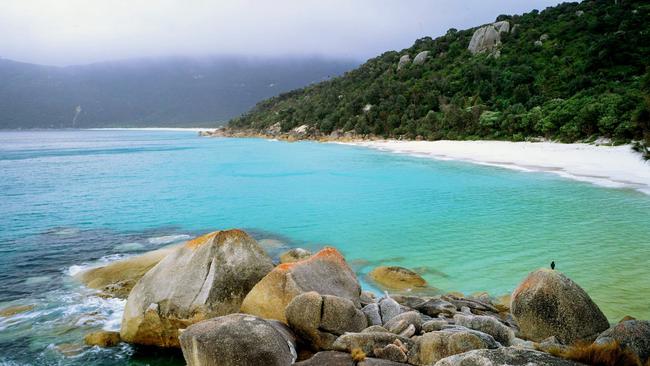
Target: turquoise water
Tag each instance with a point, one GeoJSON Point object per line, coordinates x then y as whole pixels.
{"type": "Point", "coordinates": [69, 199]}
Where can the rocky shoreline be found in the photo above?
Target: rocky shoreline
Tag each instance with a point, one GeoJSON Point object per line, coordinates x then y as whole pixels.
{"type": "Point", "coordinates": [222, 300]}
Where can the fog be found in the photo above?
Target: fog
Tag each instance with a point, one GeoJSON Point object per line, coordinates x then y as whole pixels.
{"type": "Point", "coordinates": [64, 32]}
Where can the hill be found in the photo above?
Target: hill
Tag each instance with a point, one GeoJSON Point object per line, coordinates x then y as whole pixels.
{"type": "Point", "coordinates": [576, 71]}
{"type": "Point", "coordinates": [149, 92]}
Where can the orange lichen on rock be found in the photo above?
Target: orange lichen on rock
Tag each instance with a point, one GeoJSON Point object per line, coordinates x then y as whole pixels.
{"type": "Point", "coordinates": [327, 252]}
{"type": "Point", "coordinates": [218, 236]}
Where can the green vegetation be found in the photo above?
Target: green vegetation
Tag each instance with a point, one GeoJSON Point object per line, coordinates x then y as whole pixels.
{"type": "Point", "coordinates": [589, 78]}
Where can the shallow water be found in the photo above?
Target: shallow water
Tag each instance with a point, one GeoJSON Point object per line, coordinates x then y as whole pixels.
{"type": "Point", "coordinates": [74, 198]}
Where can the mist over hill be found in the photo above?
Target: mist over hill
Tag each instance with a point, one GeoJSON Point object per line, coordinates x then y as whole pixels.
{"type": "Point", "coordinates": [173, 91]}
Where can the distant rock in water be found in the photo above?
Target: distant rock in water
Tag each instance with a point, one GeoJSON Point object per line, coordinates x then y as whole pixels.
{"type": "Point", "coordinates": [326, 272]}
{"type": "Point", "coordinates": [236, 340]}
{"type": "Point", "coordinates": [395, 277]}
{"type": "Point", "coordinates": [294, 255]}
{"type": "Point", "coordinates": [547, 303]}
{"type": "Point", "coordinates": [206, 277]}
{"type": "Point", "coordinates": [488, 37]}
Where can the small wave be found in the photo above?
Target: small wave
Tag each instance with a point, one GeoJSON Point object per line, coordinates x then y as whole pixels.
{"type": "Point", "coordinates": [128, 247]}
{"type": "Point", "coordinates": [168, 239]}
{"type": "Point", "coordinates": [77, 268]}
{"type": "Point", "coordinates": [37, 279]}
{"type": "Point", "coordinates": [66, 232]}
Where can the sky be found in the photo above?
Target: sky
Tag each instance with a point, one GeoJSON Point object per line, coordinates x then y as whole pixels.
{"type": "Point", "coordinates": [65, 32]}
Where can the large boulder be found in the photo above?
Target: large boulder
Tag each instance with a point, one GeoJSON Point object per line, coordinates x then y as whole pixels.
{"type": "Point", "coordinates": [486, 324]}
{"type": "Point", "coordinates": [205, 278]}
{"type": "Point", "coordinates": [433, 346]}
{"type": "Point", "coordinates": [488, 37]}
{"type": "Point", "coordinates": [398, 278]}
{"type": "Point", "coordinates": [632, 334]}
{"type": "Point", "coordinates": [547, 303]}
{"type": "Point", "coordinates": [321, 319]}
{"type": "Point", "coordinates": [505, 356]}
{"type": "Point", "coordinates": [236, 340]}
{"type": "Point", "coordinates": [403, 61]}
{"type": "Point", "coordinates": [326, 272]}
{"type": "Point", "coordinates": [118, 278]}
{"type": "Point", "coordinates": [420, 58]}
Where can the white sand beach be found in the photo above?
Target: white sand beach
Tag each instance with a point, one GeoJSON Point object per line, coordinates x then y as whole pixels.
{"type": "Point", "coordinates": [609, 166]}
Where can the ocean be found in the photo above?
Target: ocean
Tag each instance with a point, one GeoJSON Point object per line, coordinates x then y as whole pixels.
{"type": "Point", "coordinates": [76, 198]}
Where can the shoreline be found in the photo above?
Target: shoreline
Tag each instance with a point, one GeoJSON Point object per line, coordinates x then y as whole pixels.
{"type": "Point", "coordinates": [605, 166]}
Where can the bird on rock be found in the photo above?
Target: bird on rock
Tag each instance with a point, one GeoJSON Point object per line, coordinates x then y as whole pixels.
{"type": "Point", "coordinates": [552, 264]}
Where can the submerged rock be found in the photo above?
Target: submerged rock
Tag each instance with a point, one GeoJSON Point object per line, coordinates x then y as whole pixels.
{"type": "Point", "coordinates": [632, 334]}
{"type": "Point", "coordinates": [236, 340]}
{"type": "Point", "coordinates": [16, 309]}
{"type": "Point", "coordinates": [321, 319]}
{"type": "Point", "coordinates": [326, 273]}
{"type": "Point", "coordinates": [102, 338]}
{"type": "Point", "coordinates": [505, 356]}
{"type": "Point", "coordinates": [294, 255]}
{"type": "Point", "coordinates": [398, 278]}
{"type": "Point", "coordinates": [547, 303]}
{"type": "Point", "coordinates": [206, 277]}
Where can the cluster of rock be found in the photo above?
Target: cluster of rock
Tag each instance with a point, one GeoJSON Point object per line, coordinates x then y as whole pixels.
{"type": "Point", "coordinates": [221, 299]}
{"type": "Point", "coordinates": [419, 59]}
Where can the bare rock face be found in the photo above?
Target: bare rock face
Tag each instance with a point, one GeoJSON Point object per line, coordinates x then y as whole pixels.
{"type": "Point", "coordinates": [398, 278]}
{"type": "Point", "coordinates": [488, 37]}
{"type": "Point", "coordinates": [486, 324]}
{"type": "Point", "coordinates": [102, 338]}
{"type": "Point", "coordinates": [326, 273]}
{"type": "Point", "coordinates": [403, 61]}
{"type": "Point", "coordinates": [205, 278]}
{"type": "Point", "coordinates": [505, 357]}
{"type": "Point", "coordinates": [547, 303]}
{"type": "Point", "coordinates": [321, 319]}
{"type": "Point", "coordinates": [421, 58]}
{"type": "Point", "coordinates": [236, 340]}
{"type": "Point", "coordinates": [370, 341]}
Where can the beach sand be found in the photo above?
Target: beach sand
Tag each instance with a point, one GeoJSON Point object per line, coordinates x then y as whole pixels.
{"type": "Point", "coordinates": [608, 166]}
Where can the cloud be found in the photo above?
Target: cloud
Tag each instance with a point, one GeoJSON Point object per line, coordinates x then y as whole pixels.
{"type": "Point", "coordinates": [81, 31]}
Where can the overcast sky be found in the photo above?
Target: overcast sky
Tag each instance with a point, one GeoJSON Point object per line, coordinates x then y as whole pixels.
{"type": "Point", "coordinates": [62, 32]}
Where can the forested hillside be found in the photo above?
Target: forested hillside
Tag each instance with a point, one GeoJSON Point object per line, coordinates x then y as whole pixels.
{"type": "Point", "coordinates": [572, 72]}
{"type": "Point", "coordinates": [150, 92]}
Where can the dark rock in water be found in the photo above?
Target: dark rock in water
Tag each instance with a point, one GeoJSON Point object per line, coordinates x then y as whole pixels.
{"type": "Point", "coordinates": [236, 340]}
{"type": "Point", "coordinates": [400, 322]}
{"type": "Point", "coordinates": [294, 255]}
{"type": "Point", "coordinates": [102, 338]}
{"type": "Point", "coordinates": [326, 272]}
{"type": "Point", "coordinates": [505, 356]}
{"type": "Point", "coordinates": [321, 319]}
{"type": "Point", "coordinates": [435, 307]}
{"type": "Point", "coordinates": [433, 346]}
{"type": "Point", "coordinates": [367, 342]}
{"type": "Point", "coordinates": [632, 334]}
{"type": "Point", "coordinates": [547, 303]}
{"type": "Point", "coordinates": [206, 277]}
{"type": "Point", "coordinates": [486, 324]}
{"type": "Point", "coordinates": [395, 277]}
